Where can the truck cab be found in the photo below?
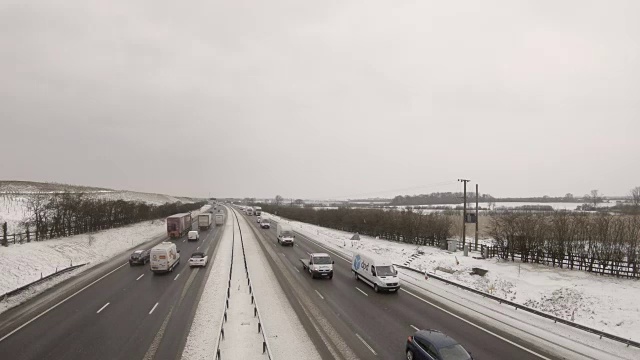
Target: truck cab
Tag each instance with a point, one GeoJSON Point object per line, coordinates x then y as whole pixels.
{"type": "Point", "coordinates": [319, 265]}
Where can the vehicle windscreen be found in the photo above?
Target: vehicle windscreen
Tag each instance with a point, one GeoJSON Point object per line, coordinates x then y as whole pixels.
{"type": "Point", "coordinates": [287, 234]}
{"type": "Point", "coordinates": [322, 260]}
{"type": "Point", "coordinates": [385, 270]}
{"type": "Point", "coordinates": [196, 256]}
{"type": "Point", "coordinates": [454, 352]}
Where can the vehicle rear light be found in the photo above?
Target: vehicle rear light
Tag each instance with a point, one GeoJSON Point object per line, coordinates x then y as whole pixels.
{"type": "Point", "coordinates": [410, 339]}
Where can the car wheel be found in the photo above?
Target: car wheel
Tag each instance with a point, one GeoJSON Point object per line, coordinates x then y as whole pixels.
{"type": "Point", "coordinates": [410, 355]}
{"type": "Point", "coordinates": [130, 263]}
{"type": "Point", "coordinates": [330, 276]}
{"type": "Point", "coordinates": [375, 288]}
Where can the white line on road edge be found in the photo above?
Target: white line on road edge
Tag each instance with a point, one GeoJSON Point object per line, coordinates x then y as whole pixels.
{"type": "Point", "coordinates": [477, 326]}
{"type": "Point", "coordinates": [321, 297]}
{"type": "Point", "coordinates": [154, 307]}
{"type": "Point", "coordinates": [102, 308]}
{"type": "Point", "coordinates": [176, 277]}
{"type": "Point", "coordinates": [58, 304]}
{"type": "Point", "coordinates": [139, 277]}
{"type": "Point", "coordinates": [367, 345]}
{"type": "Point", "coordinates": [365, 294]}
{"type": "Point", "coordinates": [415, 328]}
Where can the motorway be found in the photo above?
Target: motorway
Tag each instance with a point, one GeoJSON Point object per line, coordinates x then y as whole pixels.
{"type": "Point", "coordinates": [376, 325]}
{"type": "Point", "coordinates": [113, 312]}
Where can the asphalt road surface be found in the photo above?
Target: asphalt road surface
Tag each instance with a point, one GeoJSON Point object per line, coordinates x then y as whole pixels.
{"type": "Point", "coordinates": [115, 311]}
{"type": "Point", "coordinates": [376, 325]}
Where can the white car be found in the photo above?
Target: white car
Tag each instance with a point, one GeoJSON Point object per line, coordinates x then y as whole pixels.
{"type": "Point", "coordinates": [198, 259]}
{"type": "Point", "coordinates": [259, 219]}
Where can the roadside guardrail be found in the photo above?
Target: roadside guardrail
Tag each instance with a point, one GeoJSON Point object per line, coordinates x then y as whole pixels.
{"type": "Point", "coordinates": [41, 280]}
{"type": "Point", "coordinates": [517, 306]}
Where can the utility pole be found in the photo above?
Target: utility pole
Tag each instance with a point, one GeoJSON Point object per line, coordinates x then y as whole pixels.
{"type": "Point", "coordinates": [464, 211]}
{"type": "Point", "coordinates": [477, 219]}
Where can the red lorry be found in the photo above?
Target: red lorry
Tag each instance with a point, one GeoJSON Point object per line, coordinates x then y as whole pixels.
{"type": "Point", "coordinates": [178, 225]}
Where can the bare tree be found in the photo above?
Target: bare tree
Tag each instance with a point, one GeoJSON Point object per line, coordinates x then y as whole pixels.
{"type": "Point", "coordinates": [279, 200]}
{"type": "Point", "coordinates": [594, 198]}
{"type": "Point", "coordinates": [299, 202]}
{"type": "Point", "coordinates": [635, 196]}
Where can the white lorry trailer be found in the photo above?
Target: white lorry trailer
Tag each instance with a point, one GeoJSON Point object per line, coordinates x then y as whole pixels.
{"type": "Point", "coordinates": [204, 221]}
{"type": "Point", "coordinates": [285, 234]}
{"type": "Point", "coordinates": [219, 219]}
{"type": "Point", "coordinates": [318, 265]}
{"type": "Point", "coordinates": [249, 211]}
{"type": "Point", "coordinates": [257, 210]}
{"type": "Point", "coordinates": [377, 273]}
{"type": "Point", "coordinates": [164, 257]}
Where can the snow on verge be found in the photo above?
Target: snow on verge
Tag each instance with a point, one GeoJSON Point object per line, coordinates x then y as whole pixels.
{"type": "Point", "coordinates": [203, 336]}
{"type": "Point", "coordinates": [603, 302]}
{"type": "Point", "coordinates": [286, 336]}
{"type": "Point", "coordinates": [24, 263]}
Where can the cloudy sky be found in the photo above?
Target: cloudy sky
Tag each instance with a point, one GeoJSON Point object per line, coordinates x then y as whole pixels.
{"type": "Point", "coordinates": [322, 99]}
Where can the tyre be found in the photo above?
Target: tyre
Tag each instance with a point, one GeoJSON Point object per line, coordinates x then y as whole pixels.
{"type": "Point", "coordinates": [375, 288]}
{"type": "Point", "coordinates": [330, 277]}
{"type": "Point", "coordinates": [410, 355]}
{"type": "Point", "coordinates": [130, 263]}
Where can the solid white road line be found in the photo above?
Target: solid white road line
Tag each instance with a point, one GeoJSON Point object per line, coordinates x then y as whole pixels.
{"type": "Point", "coordinates": [176, 277]}
{"type": "Point", "coordinates": [58, 304]}
{"type": "Point", "coordinates": [415, 328]}
{"type": "Point", "coordinates": [102, 308]}
{"type": "Point", "coordinates": [476, 326]}
{"type": "Point", "coordinates": [367, 345]}
{"type": "Point", "coordinates": [154, 307]}
{"type": "Point", "coordinates": [321, 297]}
{"type": "Point", "coordinates": [365, 294]}
{"type": "Point", "coordinates": [139, 277]}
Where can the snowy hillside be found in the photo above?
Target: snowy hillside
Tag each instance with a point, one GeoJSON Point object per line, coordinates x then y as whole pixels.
{"type": "Point", "coordinates": [14, 197]}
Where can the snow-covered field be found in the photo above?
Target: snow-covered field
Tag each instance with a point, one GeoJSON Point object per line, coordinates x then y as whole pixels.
{"type": "Point", "coordinates": [602, 302]}
{"type": "Point", "coordinates": [471, 205]}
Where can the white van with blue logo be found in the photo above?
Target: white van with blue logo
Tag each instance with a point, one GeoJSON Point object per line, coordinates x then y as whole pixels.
{"type": "Point", "coordinates": [379, 274]}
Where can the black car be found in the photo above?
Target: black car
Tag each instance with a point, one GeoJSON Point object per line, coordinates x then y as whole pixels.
{"type": "Point", "coordinates": [434, 345]}
{"type": "Point", "coordinates": [139, 257]}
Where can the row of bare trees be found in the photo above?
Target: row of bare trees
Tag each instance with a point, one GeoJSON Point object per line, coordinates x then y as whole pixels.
{"type": "Point", "coordinates": [65, 214]}
{"type": "Point", "coordinates": [403, 226]}
{"type": "Point", "coordinates": [595, 242]}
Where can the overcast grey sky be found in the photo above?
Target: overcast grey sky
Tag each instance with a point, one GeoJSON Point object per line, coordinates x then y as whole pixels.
{"type": "Point", "coordinates": [319, 99]}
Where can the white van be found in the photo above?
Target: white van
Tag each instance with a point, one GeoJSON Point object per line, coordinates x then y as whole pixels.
{"type": "Point", "coordinates": [164, 257]}
{"type": "Point", "coordinates": [379, 274]}
{"type": "Point", "coordinates": [193, 235]}
{"type": "Point", "coordinates": [284, 233]}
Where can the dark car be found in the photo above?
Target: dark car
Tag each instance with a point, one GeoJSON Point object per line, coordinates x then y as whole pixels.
{"type": "Point", "coordinates": [434, 345]}
{"type": "Point", "coordinates": [139, 257]}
